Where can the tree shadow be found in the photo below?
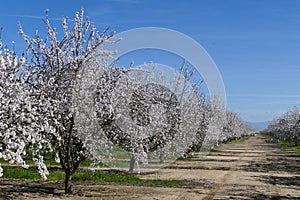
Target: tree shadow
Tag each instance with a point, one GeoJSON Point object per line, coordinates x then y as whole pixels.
{"type": "Point", "coordinates": [269, 197]}
{"type": "Point", "coordinates": [12, 189]}
{"type": "Point", "coordinates": [267, 167]}
{"type": "Point", "coordinates": [274, 164]}
{"type": "Point", "coordinates": [280, 180]}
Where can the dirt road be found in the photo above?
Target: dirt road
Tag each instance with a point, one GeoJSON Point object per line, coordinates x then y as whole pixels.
{"type": "Point", "coordinates": [251, 169]}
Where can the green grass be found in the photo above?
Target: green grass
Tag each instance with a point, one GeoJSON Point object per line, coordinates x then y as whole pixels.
{"type": "Point", "coordinates": [210, 150]}
{"type": "Point", "coordinates": [20, 173]}
{"type": "Point", "coordinates": [286, 152]}
{"type": "Point", "coordinates": [100, 176]}
{"type": "Point", "coordinates": [56, 175]}
{"type": "Point", "coordinates": [115, 177]}
{"type": "Point", "coordinates": [287, 143]}
{"type": "Point", "coordinates": [2, 161]}
{"type": "Point", "coordinates": [86, 175]}
{"type": "Point", "coordinates": [215, 150]}
{"type": "Point", "coordinates": [297, 151]}
{"type": "Point", "coordinates": [282, 142]}
{"type": "Point", "coordinates": [294, 151]}
{"type": "Point", "coordinates": [184, 159]}
{"type": "Point", "coordinates": [268, 136]}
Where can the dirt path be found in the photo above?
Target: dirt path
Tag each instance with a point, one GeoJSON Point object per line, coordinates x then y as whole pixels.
{"type": "Point", "coordinates": [251, 169]}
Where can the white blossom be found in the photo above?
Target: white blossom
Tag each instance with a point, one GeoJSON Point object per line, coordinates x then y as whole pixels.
{"type": "Point", "coordinates": [286, 127]}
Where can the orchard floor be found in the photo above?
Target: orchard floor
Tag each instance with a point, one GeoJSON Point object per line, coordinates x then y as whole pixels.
{"type": "Point", "coordinates": [251, 169]}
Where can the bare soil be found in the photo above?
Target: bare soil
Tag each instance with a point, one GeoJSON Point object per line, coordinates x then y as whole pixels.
{"type": "Point", "coordinates": [251, 169]}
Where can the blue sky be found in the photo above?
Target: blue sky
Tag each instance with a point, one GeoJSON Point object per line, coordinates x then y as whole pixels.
{"type": "Point", "coordinates": [254, 43]}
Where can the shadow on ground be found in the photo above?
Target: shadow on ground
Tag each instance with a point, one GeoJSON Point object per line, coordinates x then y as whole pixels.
{"type": "Point", "coordinates": [275, 164]}
{"type": "Point", "coordinates": [279, 180]}
{"type": "Point", "coordinates": [13, 189]}
{"type": "Point", "coordinates": [268, 197]}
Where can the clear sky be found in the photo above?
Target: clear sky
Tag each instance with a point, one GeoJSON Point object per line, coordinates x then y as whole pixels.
{"type": "Point", "coordinates": [254, 43]}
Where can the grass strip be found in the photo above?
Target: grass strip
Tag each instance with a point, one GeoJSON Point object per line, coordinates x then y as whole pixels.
{"type": "Point", "coordinates": [87, 175]}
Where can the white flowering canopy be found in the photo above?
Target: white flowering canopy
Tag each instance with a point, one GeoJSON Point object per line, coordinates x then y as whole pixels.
{"type": "Point", "coordinates": [20, 121]}
{"type": "Point", "coordinates": [147, 116]}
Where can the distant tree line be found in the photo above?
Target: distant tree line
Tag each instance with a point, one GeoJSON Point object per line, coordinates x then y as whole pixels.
{"type": "Point", "coordinates": [286, 127]}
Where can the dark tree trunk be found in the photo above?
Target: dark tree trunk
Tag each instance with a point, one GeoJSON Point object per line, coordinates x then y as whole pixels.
{"type": "Point", "coordinates": [68, 182]}
{"type": "Point", "coordinates": [132, 162]}
{"type": "Point", "coordinates": [70, 156]}
{"type": "Point", "coordinates": [68, 159]}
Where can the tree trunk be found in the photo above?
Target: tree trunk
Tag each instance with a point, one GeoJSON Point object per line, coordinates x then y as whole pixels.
{"type": "Point", "coordinates": [161, 157]}
{"type": "Point", "coordinates": [70, 156]}
{"type": "Point", "coordinates": [68, 159]}
{"type": "Point", "coordinates": [132, 162]}
{"type": "Point", "coordinates": [68, 182]}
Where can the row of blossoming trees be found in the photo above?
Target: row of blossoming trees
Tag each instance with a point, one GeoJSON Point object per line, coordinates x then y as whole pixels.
{"type": "Point", "coordinates": [64, 96]}
{"type": "Point", "coordinates": [286, 127]}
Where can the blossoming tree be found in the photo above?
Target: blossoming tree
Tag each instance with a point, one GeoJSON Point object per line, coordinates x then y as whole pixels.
{"type": "Point", "coordinates": [286, 127]}
{"type": "Point", "coordinates": [51, 73]}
